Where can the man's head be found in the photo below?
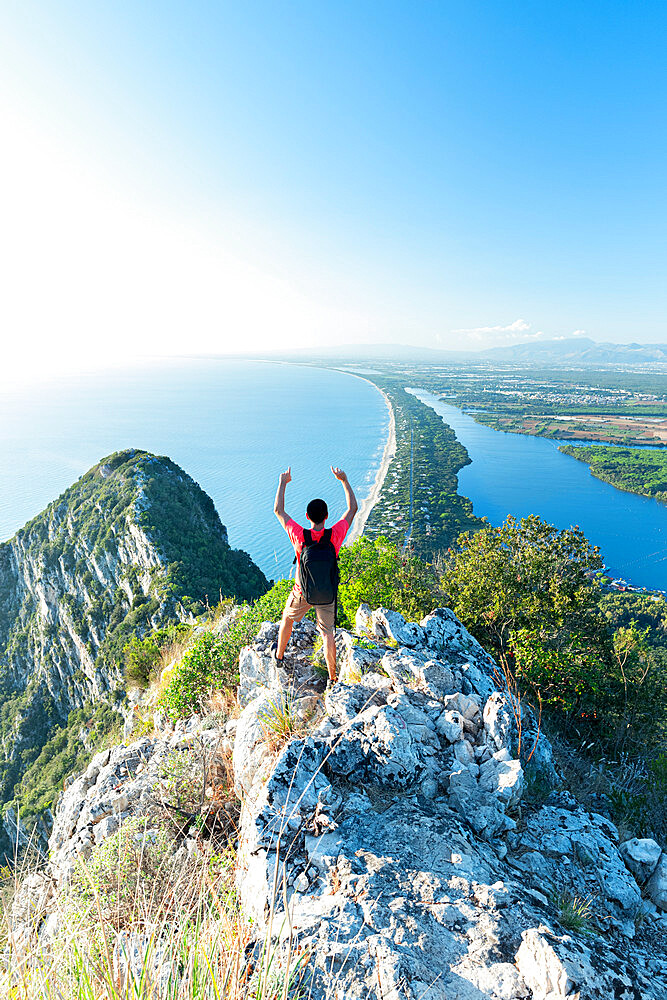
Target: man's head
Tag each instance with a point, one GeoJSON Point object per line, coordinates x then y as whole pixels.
{"type": "Point", "coordinates": [317, 511]}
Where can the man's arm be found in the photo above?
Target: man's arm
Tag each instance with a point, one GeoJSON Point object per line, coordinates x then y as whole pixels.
{"type": "Point", "coordinates": [352, 506]}
{"type": "Point", "coordinates": [279, 504]}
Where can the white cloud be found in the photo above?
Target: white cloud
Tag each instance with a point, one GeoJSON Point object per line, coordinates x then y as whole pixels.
{"type": "Point", "coordinates": [503, 335]}
{"type": "Point", "coordinates": [519, 326]}
{"type": "Point", "coordinates": [578, 333]}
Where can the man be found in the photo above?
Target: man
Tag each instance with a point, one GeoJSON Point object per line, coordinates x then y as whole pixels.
{"type": "Point", "coordinates": [297, 606]}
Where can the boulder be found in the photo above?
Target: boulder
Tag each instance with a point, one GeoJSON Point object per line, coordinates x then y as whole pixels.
{"type": "Point", "coordinates": [584, 859]}
{"type": "Point", "coordinates": [502, 777]}
{"type": "Point", "coordinates": [641, 857]}
{"type": "Point", "coordinates": [657, 884]}
{"type": "Point", "coordinates": [363, 620]}
{"type": "Point", "coordinates": [558, 967]}
{"type": "Point", "coordinates": [388, 624]}
{"type": "Point", "coordinates": [450, 725]}
{"type": "Point", "coordinates": [499, 722]}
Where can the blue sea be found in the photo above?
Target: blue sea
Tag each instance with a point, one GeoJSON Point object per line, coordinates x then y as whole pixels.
{"type": "Point", "coordinates": [232, 425]}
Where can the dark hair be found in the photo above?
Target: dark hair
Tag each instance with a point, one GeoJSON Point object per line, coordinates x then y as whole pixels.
{"type": "Point", "coordinates": [317, 511]}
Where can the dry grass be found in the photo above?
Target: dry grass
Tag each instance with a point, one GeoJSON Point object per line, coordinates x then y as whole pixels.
{"type": "Point", "coordinates": [180, 938]}
{"type": "Point", "coordinates": [146, 924]}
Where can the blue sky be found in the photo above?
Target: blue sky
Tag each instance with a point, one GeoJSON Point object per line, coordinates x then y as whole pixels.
{"type": "Point", "coordinates": [233, 176]}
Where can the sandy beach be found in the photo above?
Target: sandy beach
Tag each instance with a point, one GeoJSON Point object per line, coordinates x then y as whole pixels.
{"type": "Point", "coordinates": [369, 502]}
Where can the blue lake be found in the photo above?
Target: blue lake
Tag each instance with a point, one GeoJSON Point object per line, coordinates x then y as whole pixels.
{"type": "Point", "coordinates": [232, 425]}
{"type": "Point", "coordinates": [520, 475]}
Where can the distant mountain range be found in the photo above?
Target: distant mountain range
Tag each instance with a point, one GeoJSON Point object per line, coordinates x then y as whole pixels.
{"type": "Point", "coordinates": [567, 351]}
{"type": "Point", "coordinates": [577, 350]}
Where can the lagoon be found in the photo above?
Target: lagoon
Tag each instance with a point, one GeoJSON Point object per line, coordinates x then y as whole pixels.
{"type": "Point", "coordinates": [520, 475]}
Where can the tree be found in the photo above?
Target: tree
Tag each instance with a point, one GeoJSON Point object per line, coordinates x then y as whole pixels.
{"type": "Point", "coordinates": [379, 574]}
{"type": "Point", "coordinates": [527, 591]}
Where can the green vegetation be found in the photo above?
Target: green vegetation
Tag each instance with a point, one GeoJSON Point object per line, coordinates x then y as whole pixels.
{"type": "Point", "coordinates": [439, 512]}
{"type": "Point", "coordinates": [67, 751]}
{"type": "Point", "coordinates": [377, 573]}
{"type": "Point", "coordinates": [211, 662]}
{"type": "Point", "coordinates": [144, 656]}
{"type": "Point", "coordinates": [143, 919]}
{"type": "Point", "coordinates": [637, 470]}
{"type": "Point", "coordinates": [371, 571]}
{"type": "Point", "coordinates": [524, 592]}
{"type": "Point", "coordinates": [620, 409]}
{"type": "Point", "coordinates": [646, 611]}
{"type": "Point", "coordinates": [527, 592]}
{"type": "Point", "coordinates": [280, 722]}
{"type": "Point", "coordinates": [575, 913]}
{"type": "Point", "coordinates": [177, 559]}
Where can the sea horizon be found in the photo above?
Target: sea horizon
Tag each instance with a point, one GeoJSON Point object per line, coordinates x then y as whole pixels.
{"type": "Point", "coordinates": [231, 424]}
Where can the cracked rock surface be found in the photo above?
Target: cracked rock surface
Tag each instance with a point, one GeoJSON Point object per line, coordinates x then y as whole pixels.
{"type": "Point", "coordinates": [393, 830]}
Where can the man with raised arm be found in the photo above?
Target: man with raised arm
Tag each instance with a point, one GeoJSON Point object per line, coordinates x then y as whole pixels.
{"type": "Point", "coordinates": [316, 582]}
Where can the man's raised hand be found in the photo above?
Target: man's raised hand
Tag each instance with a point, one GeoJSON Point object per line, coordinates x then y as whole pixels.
{"type": "Point", "coordinates": [339, 474]}
{"type": "Point", "coordinates": [286, 477]}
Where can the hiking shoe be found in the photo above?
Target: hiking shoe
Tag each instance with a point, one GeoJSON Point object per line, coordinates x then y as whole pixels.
{"type": "Point", "coordinates": [274, 653]}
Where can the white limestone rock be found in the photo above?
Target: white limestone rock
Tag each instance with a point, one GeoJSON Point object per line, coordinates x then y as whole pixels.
{"type": "Point", "coordinates": [354, 661]}
{"type": "Point", "coordinates": [445, 633]}
{"type": "Point", "coordinates": [560, 967]}
{"type": "Point", "coordinates": [363, 619]}
{"type": "Point", "coordinates": [450, 725]}
{"type": "Point", "coordinates": [250, 743]}
{"type": "Point", "coordinates": [657, 884]}
{"type": "Point", "coordinates": [586, 844]}
{"type": "Point", "coordinates": [388, 624]}
{"type": "Point", "coordinates": [500, 981]}
{"type": "Point", "coordinates": [502, 776]}
{"type": "Point", "coordinates": [641, 856]}
{"type": "Point", "coordinates": [499, 722]}
{"type": "Point", "coordinates": [404, 874]}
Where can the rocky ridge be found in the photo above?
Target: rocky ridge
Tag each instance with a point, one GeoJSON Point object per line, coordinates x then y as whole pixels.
{"type": "Point", "coordinates": [414, 867]}
{"type": "Point", "coordinates": [393, 836]}
{"type": "Point", "coordinates": [134, 544]}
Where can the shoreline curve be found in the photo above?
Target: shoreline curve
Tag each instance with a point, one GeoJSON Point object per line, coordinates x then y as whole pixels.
{"type": "Point", "coordinates": [367, 504]}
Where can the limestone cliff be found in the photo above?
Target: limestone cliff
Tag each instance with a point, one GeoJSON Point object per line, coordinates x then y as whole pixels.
{"type": "Point", "coordinates": [133, 544]}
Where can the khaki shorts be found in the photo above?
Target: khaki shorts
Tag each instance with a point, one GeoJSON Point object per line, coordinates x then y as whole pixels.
{"type": "Point", "coordinates": [297, 607]}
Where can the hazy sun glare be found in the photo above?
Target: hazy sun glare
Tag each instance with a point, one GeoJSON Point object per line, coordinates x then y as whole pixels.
{"type": "Point", "coordinates": [89, 277]}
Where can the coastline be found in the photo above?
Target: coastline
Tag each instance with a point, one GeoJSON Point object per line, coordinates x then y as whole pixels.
{"type": "Point", "coordinates": [369, 502]}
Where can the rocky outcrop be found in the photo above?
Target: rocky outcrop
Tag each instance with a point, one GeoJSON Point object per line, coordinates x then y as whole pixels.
{"type": "Point", "coordinates": [127, 782]}
{"type": "Point", "coordinates": [391, 837]}
{"type": "Point", "coordinates": [134, 544]}
{"type": "Point", "coordinates": [387, 831]}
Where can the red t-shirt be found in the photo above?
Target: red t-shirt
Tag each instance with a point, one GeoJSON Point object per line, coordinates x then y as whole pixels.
{"type": "Point", "coordinates": [296, 537]}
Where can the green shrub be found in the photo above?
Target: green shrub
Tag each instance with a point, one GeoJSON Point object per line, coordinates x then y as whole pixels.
{"type": "Point", "coordinates": [376, 572]}
{"type": "Point", "coordinates": [142, 656]}
{"type": "Point", "coordinates": [211, 662]}
{"type": "Point", "coordinates": [130, 863]}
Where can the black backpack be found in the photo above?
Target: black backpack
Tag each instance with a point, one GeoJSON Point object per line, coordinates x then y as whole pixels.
{"type": "Point", "coordinates": [318, 575]}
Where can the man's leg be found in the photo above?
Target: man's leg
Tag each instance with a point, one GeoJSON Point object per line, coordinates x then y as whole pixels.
{"type": "Point", "coordinates": [326, 623]}
{"type": "Point", "coordinates": [295, 609]}
{"type": "Point", "coordinates": [285, 632]}
{"type": "Point", "coordinates": [329, 642]}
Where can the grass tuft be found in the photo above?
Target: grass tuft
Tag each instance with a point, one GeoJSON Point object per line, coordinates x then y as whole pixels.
{"type": "Point", "coordinates": [574, 912]}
